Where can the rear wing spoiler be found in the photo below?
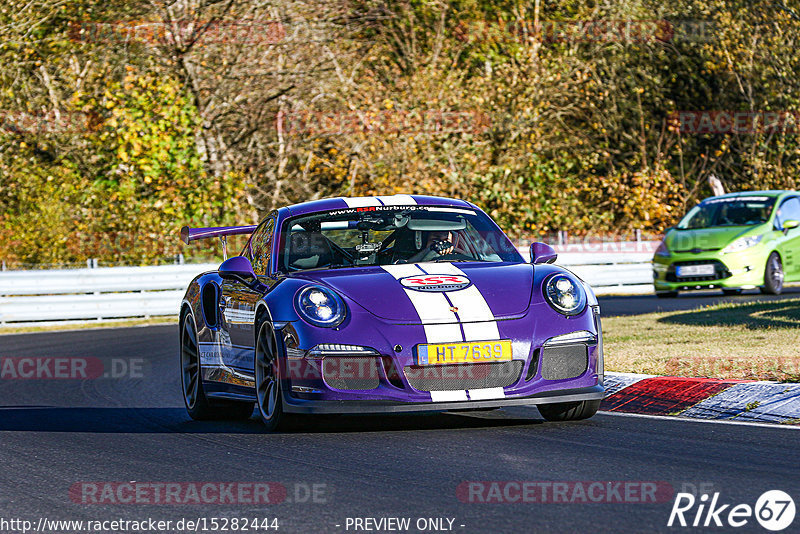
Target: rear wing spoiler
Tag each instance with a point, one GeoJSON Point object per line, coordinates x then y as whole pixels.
{"type": "Point", "coordinates": [222, 232]}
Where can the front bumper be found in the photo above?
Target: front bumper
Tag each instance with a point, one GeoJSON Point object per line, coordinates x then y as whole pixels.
{"type": "Point", "coordinates": [295, 405]}
{"type": "Point", "coordinates": [388, 386]}
{"type": "Point", "coordinates": [735, 271]}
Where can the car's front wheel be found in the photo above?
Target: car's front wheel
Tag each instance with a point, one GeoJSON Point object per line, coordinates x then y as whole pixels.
{"type": "Point", "coordinates": [267, 379]}
{"type": "Point", "coordinates": [569, 411]}
{"type": "Point", "coordinates": [773, 275]}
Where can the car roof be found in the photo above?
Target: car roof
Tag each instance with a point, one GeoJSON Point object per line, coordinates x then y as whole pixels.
{"type": "Point", "coordinates": [766, 193]}
{"type": "Point", "coordinates": [340, 203]}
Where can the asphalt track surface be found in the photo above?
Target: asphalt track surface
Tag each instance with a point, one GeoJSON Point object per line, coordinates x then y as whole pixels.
{"type": "Point", "coordinates": [55, 433]}
{"type": "Point", "coordinates": [641, 304]}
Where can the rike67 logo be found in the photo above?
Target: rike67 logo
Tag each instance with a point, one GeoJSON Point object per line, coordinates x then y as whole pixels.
{"type": "Point", "coordinates": [774, 511]}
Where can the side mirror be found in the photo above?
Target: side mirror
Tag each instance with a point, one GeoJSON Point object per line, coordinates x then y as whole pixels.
{"type": "Point", "coordinates": [791, 223]}
{"type": "Point", "coordinates": [542, 253]}
{"type": "Point", "coordinates": [237, 268]}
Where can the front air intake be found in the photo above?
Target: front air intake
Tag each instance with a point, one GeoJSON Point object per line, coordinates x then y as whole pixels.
{"type": "Point", "coordinates": [351, 372]}
{"type": "Point", "coordinates": [560, 362]}
{"type": "Point", "coordinates": [463, 376]}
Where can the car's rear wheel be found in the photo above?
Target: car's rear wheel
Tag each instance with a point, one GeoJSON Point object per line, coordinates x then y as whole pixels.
{"type": "Point", "coordinates": [569, 411]}
{"type": "Point", "coordinates": [773, 275]}
{"type": "Point", "coordinates": [197, 404]}
{"type": "Point", "coordinates": [269, 400]}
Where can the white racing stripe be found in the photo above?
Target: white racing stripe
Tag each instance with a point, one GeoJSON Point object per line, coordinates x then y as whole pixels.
{"type": "Point", "coordinates": [441, 325]}
{"type": "Point", "coordinates": [447, 396]}
{"type": "Point", "coordinates": [361, 202]}
{"type": "Point", "coordinates": [386, 200]}
{"type": "Point", "coordinates": [476, 317]}
{"type": "Point", "coordinates": [398, 200]}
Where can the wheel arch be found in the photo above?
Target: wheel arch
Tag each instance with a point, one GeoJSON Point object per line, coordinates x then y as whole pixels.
{"type": "Point", "coordinates": [262, 309]}
{"type": "Point", "coordinates": [766, 261]}
{"type": "Point", "coordinates": [186, 307]}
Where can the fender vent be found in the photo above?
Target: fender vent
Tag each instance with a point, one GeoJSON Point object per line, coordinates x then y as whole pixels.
{"type": "Point", "coordinates": [209, 300]}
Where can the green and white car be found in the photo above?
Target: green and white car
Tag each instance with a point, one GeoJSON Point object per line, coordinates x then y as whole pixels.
{"type": "Point", "coordinates": [732, 242]}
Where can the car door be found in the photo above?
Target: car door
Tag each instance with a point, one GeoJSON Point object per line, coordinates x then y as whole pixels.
{"type": "Point", "coordinates": [238, 302]}
{"type": "Point", "coordinates": [789, 247]}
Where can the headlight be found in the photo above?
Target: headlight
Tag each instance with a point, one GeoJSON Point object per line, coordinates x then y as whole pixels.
{"type": "Point", "coordinates": [320, 306]}
{"type": "Point", "coordinates": [565, 295]}
{"type": "Point", "coordinates": [662, 250]}
{"type": "Point", "coordinates": [743, 243]}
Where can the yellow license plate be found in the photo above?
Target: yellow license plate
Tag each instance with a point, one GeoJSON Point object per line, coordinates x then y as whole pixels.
{"type": "Point", "coordinates": [464, 352]}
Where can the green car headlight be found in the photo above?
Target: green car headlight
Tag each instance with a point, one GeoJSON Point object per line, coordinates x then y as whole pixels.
{"type": "Point", "coordinates": [743, 243]}
{"type": "Point", "coordinates": [565, 295]}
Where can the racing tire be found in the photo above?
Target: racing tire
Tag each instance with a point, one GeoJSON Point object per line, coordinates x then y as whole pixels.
{"type": "Point", "coordinates": [197, 404]}
{"type": "Point", "coordinates": [773, 275]}
{"type": "Point", "coordinates": [269, 400]}
{"type": "Point", "coordinates": [666, 294]}
{"type": "Point", "coordinates": [569, 411]}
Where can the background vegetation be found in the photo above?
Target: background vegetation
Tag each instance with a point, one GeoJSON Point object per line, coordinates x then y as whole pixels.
{"type": "Point", "coordinates": [120, 120]}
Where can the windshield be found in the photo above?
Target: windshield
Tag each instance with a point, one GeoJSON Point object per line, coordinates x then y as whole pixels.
{"type": "Point", "coordinates": [732, 211]}
{"type": "Point", "coordinates": [389, 235]}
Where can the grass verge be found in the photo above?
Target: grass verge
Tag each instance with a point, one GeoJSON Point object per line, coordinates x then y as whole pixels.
{"type": "Point", "coordinates": [751, 341]}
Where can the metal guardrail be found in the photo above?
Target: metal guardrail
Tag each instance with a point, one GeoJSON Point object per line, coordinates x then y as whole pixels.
{"type": "Point", "coordinates": [622, 268]}
{"type": "Point", "coordinates": [28, 297]}
{"type": "Point", "coordinates": [93, 294]}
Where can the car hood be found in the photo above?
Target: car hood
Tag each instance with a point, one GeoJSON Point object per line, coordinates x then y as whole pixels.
{"type": "Point", "coordinates": [707, 239]}
{"type": "Point", "coordinates": [504, 287]}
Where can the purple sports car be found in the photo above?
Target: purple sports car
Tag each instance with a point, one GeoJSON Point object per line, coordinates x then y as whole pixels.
{"type": "Point", "coordinates": [381, 305]}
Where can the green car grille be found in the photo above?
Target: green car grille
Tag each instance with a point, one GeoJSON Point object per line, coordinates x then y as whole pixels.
{"type": "Point", "coordinates": [720, 271]}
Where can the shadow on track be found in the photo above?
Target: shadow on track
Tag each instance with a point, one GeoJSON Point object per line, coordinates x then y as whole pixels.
{"type": "Point", "coordinates": [175, 420]}
{"type": "Point", "coordinates": [755, 316]}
